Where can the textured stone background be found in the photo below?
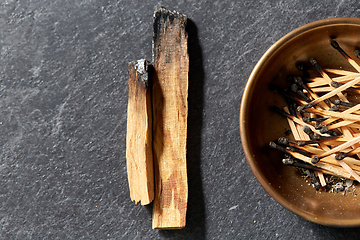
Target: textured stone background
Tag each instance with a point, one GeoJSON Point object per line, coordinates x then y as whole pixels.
{"type": "Point", "coordinates": [63, 99]}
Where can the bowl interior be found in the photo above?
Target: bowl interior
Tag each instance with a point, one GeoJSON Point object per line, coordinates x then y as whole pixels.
{"type": "Point", "coordinates": [259, 125]}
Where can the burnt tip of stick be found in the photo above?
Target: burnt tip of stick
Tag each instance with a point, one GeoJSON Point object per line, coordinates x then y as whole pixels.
{"type": "Point", "coordinates": [313, 61]}
{"type": "Point", "coordinates": [337, 101]}
{"type": "Point", "coordinates": [302, 108]}
{"type": "Point", "coordinates": [318, 126]}
{"type": "Point", "coordinates": [315, 160]}
{"type": "Point", "coordinates": [340, 156]}
{"type": "Point", "coordinates": [278, 110]}
{"type": "Point", "coordinates": [324, 129]}
{"type": "Point", "coordinates": [283, 140]}
{"type": "Point", "coordinates": [334, 108]}
{"type": "Point", "coordinates": [307, 130]}
{"type": "Point", "coordinates": [357, 53]}
{"type": "Point", "coordinates": [272, 144]}
{"type": "Point", "coordinates": [306, 119]}
{"type": "Point", "coordinates": [334, 44]}
{"type": "Point", "coordinates": [298, 80]}
{"type": "Point", "coordinates": [335, 84]}
{"type": "Point", "coordinates": [288, 161]}
{"type": "Point", "coordinates": [317, 137]}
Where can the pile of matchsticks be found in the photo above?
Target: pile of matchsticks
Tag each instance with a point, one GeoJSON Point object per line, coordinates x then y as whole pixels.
{"type": "Point", "coordinates": [324, 120]}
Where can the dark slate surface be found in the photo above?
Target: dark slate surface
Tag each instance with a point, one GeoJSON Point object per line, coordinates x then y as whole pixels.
{"type": "Point", "coordinates": [63, 100]}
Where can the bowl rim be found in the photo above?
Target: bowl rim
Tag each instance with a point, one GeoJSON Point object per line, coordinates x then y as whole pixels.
{"type": "Point", "coordinates": [242, 119]}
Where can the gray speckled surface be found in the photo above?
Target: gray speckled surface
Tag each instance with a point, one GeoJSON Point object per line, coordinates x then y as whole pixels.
{"type": "Point", "coordinates": [63, 100]}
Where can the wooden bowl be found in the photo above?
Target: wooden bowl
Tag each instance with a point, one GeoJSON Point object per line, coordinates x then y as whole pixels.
{"type": "Point", "coordinates": [259, 125]}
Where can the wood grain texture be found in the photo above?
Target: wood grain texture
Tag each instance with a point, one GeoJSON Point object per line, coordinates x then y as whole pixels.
{"type": "Point", "coordinates": [139, 156]}
{"type": "Point", "coordinates": [170, 111]}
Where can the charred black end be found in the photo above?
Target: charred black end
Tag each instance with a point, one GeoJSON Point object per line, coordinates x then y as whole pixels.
{"type": "Point", "coordinates": [306, 119]}
{"type": "Point", "coordinates": [335, 84]}
{"type": "Point", "coordinates": [357, 53]}
{"type": "Point", "coordinates": [283, 141]}
{"type": "Point", "coordinates": [340, 156]}
{"type": "Point", "coordinates": [315, 160]}
{"type": "Point", "coordinates": [307, 130]}
{"type": "Point", "coordinates": [334, 44]}
{"type": "Point", "coordinates": [313, 61]}
{"type": "Point", "coordinates": [324, 129]}
{"type": "Point", "coordinates": [288, 161]}
{"type": "Point", "coordinates": [272, 145]}
{"type": "Point", "coordinates": [318, 126]}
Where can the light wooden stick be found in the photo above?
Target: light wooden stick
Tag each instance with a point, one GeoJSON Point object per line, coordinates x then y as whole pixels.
{"type": "Point", "coordinates": [338, 71]}
{"type": "Point", "coordinates": [139, 155]}
{"type": "Point", "coordinates": [170, 94]}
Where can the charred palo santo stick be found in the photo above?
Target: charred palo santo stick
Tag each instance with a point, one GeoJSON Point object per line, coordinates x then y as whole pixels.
{"type": "Point", "coordinates": [170, 93]}
{"type": "Point", "coordinates": [335, 45]}
{"type": "Point", "coordinates": [139, 156]}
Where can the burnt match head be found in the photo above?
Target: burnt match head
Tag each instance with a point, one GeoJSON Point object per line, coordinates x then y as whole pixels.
{"type": "Point", "coordinates": [288, 161]}
{"type": "Point", "coordinates": [294, 87]}
{"type": "Point", "coordinates": [315, 160]}
{"type": "Point", "coordinates": [306, 119]}
{"type": "Point", "coordinates": [272, 145]}
{"type": "Point", "coordinates": [307, 130]}
{"type": "Point", "coordinates": [313, 61]}
{"type": "Point", "coordinates": [324, 129]}
{"type": "Point", "coordinates": [335, 84]}
{"type": "Point", "coordinates": [283, 141]}
{"type": "Point", "coordinates": [357, 53]}
{"type": "Point", "coordinates": [334, 44]}
{"type": "Point", "coordinates": [298, 80]}
{"type": "Point", "coordinates": [340, 156]}
{"type": "Point", "coordinates": [318, 126]}
{"type": "Point", "coordinates": [337, 101]}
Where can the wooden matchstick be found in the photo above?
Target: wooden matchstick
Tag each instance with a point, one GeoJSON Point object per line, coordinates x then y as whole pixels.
{"type": "Point", "coordinates": [342, 155]}
{"type": "Point", "coordinates": [339, 148]}
{"type": "Point", "coordinates": [336, 91]}
{"type": "Point", "coordinates": [139, 155]}
{"type": "Point", "coordinates": [335, 45]}
{"type": "Point", "coordinates": [170, 111]}
{"type": "Point", "coordinates": [331, 82]}
{"type": "Point", "coordinates": [342, 115]}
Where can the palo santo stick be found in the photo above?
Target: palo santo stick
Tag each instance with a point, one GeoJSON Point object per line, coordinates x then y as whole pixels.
{"type": "Point", "coordinates": [139, 156]}
{"type": "Point", "coordinates": [170, 93]}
